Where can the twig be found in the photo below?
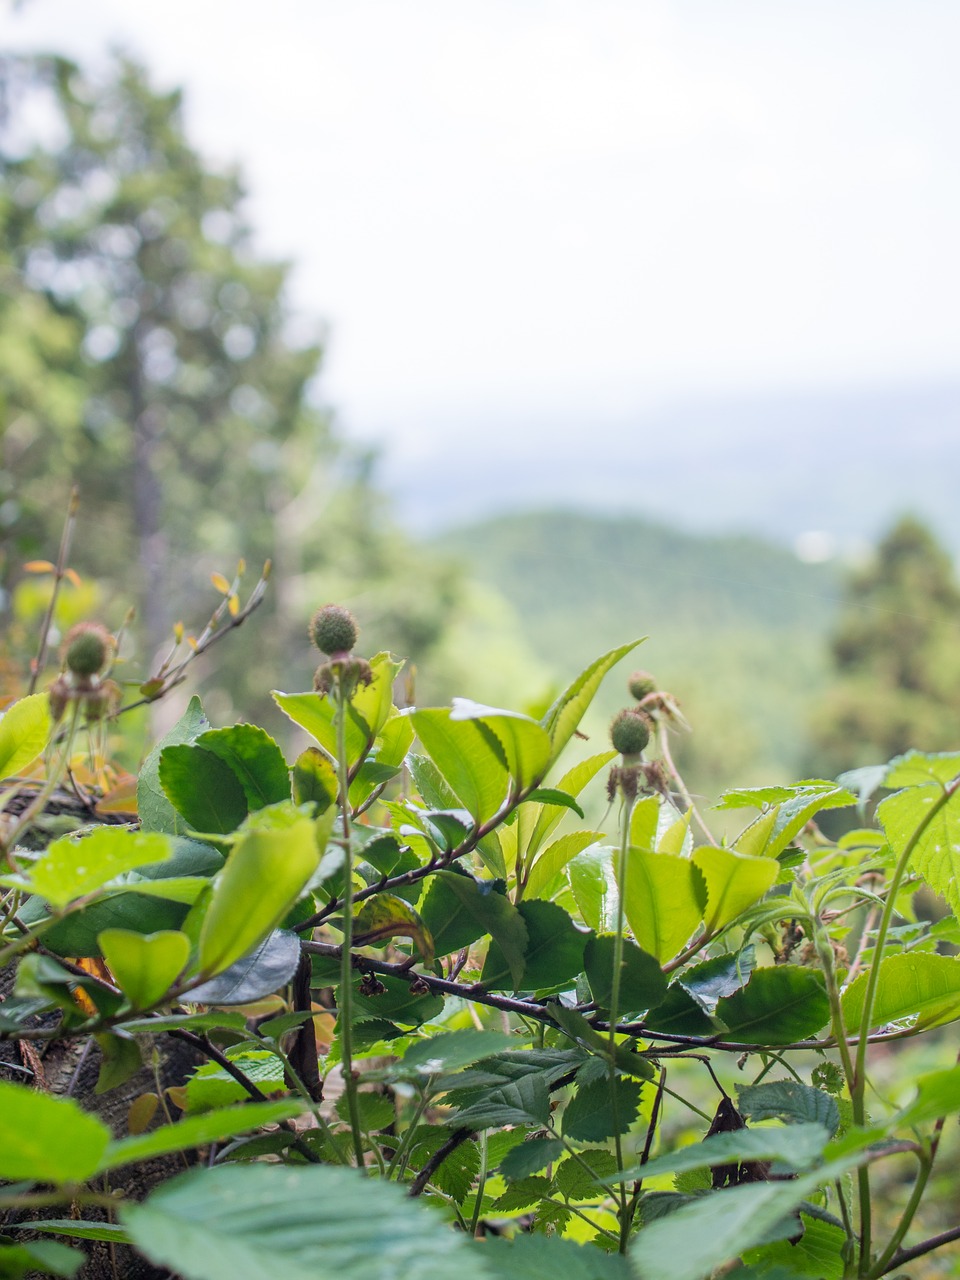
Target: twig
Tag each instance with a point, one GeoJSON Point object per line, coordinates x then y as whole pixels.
{"type": "Point", "coordinates": [59, 573]}
{"type": "Point", "coordinates": [436, 1160]}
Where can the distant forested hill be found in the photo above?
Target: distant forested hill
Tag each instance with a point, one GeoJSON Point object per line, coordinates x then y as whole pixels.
{"type": "Point", "coordinates": [737, 625]}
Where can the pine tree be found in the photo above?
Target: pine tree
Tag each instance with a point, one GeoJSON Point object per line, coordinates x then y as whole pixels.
{"type": "Point", "coordinates": [896, 654]}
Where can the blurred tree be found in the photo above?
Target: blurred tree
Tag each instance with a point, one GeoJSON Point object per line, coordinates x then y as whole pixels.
{"type": "Point", "coordinates": [148, 354]}
{"type": "Point", "coordinates": [896, 654]}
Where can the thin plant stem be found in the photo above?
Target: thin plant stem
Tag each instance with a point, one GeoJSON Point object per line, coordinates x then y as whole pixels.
{"type": "Point", "coordinates": [346, 957]}
{"type": "Point", "coordinates": [664, 746]}
{"type": "Point", "coordinates": [873, 978]}
{"type": "Point", "coordinates": [622, 857]}
{"type": "Point", "coordinates": [59, 573]}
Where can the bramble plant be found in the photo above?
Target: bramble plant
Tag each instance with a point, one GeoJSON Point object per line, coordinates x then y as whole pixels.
{"type": "Point", "coordinates": [535, 1018]}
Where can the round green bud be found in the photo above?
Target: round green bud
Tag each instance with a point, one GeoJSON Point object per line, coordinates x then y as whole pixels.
{"type": "Point", "coordinates": [630, 731]}
{"type": "Point", "coordinates": [333, 629]}
{"type": "Point", "coordinates": [87, 648]}
{"type": "Point", "coordinates": [640, 684]}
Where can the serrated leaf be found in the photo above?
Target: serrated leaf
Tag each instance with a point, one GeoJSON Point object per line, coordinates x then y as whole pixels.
{"type": "Point", "coordinates": [396, 1003]}
{"type": "Point", "coordinates": [451, 1050]}
{"type": "Point", "coordinates": [777, 1006]}
{"type": "Point", "coordinates": [799, 1145]}
{"type": "Point", "coordinates": [663, 900]}
{"type": "Point", "coordinates": [564, 716]}
{"type": "Point", "coordinates": [387, 916]}
{"type": "Point", "coordinates": [244, 1222]}
{"type": "Point", "coordinates": [921, 987]}
{"type": "Point", "coordinates": [643, 984]}
{"type": "Point", "coordinates": [72, 868]}
{"type": "Point", "coordinates": [155, 810]}
{"type": "Point", "coordinates": [590, 1115]}
{"type": "Point", "coordinates": [573, 1181]}
{"type": "Point", "coordinates": [530, 1157]}
{"type": "Point", "coordinates": [469, 756]}
{"type": "Point", "coordinates": [936, 854]}
{"type": "Point", "coordinates": [525, 743]}
{"type": "Point", "coordinates": [524, 1100]}
{"type": "Point", "coordinates": [202, 788]}
{"type": "Point", "coordinates": [314, 779]}
{"type": "Point", "coordinates": [594, 886]}
{"type": "Point", "coordinates": [255, 758]}
{"type": "Point", "coordinates": [528, 1257]}
{"type": "Point", "coordinates": [457, 909]}
{"type": "Point", "coordinates": [719, 976]}
{"type": "Point", "coordinates": [552, 953]}
{"type": "Point", "coordinates": [456, 1174]}
{"type": "Point", "coordinates": [734, 882]}
{"type": "Point", "coordinates": [212, 1087]}
{"type": "Point", "coordinates": [790, 1101]}
{"type": "Point", "coordinates": [792, 815]}
{"type": "Point", "coordinates": [552, 860]}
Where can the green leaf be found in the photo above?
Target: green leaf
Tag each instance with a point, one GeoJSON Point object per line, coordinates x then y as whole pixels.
{"type": "Point", "coordinates": [120, 1059]}
{"type": "Point", "coordinates": [777, 1006]}
{"type": "Point", "coordinates": [367, 712]}
{"type": "Point", "coordinates": [458, 910]}
{"type": "Point", "coordinates": [594, 886]}
{"type": "Point", "coordinates": [202, 788]}
{"type": "Point", "coordinates": [198, 1131]}
{"type": "Point", "coordinates": [791, 1101]}
{"type": "Point", "coordinates": [387, 916]}
{"type": "Point", "coordinates": [663, 900]}
{"type": "Point", "coordinates": [679, 1014]}
{"type": "Point", "coordinates": [212, 1087]}
{"type": "Point", "coordinates": [766, 838]}
{"type": "Point", "coordinates": [155, 810]}
{"type": "Point", "coordinates": [798, 1145]}
{"type": "Point", "coordinates": [936, 855]}
{"type": "Point", "coordinates": [938, 1094]}
{"type": "Point", "coordinates": [556, 798]}
{"type": "Point", "coordinates": [264, 876]}
{"type": "Point", "coordinates": [719, 976]}
{"type": "Point", "coordinates": [563, 718]}
{"type": "Point", "coordinates": [314, 779]}
{"type": "Point", "coordinates": [145, 966]}
{"type": "Point", "coordinates": [554, 858]}
{"type": "Point", "coordinates": [694, 1241]}
{"type": "Point", "coordinates": [457, 1172]}
{"type": "Point", "coordinates": [574, 1182]}
{"type": "Point", "coordinates": [552, 953]}
{"type": "Point", "coordinates": [24, 730]}
{"type": "Point", "coordinates": [644, 822]}
{"type": "Point", "coordinates": [47, 1139]}
{"type": "Point", "coordinates": [734, 882]}
{"type": "Point", "coordinates": [77, 933]}
{"type": "Point", "coordinates": [590, 1115]}
{"type": "Point", "coordinates": [921, 987]}
{"type": "Point", "coordinates": [451, 1050]}
{"type": "Point", "coordinates": [917, 768]}
{"type": "Point", "coordinates": [530, 1157]}
{"type": "Point", "coordinates": [817, 1255]}
{"type": "Point", "coordinates": [572, 783]}
{"type": "Point", "coordinates": [72, 868]}
{"type": "Point", "coordinates": [256, 760]}
{"type": "Point", "coordinates": [259, 973]}
{"type": "Point", "coordinates": [524, 1100]}
{"type": "Point", "coordinates": [39, 1257]}
{"type": "Point", "coordinates": [533, 1257]}
{"type": "Point", "coordinates": [245, 1222]}
{"type": "Point", "coordinates": [396, 1003]}
{"type": "Point", "coordinates": [79, 1230]}
{"type": "Point", "coordinates": [525, 743]}
{"type": "Point", "coordinates": [643, 984]}
{"type": "Point", "coordinates": [470, 757]}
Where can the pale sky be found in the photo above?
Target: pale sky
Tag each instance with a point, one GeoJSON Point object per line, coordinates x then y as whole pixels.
{"type": "Point", "coordinates": [519, 213]}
